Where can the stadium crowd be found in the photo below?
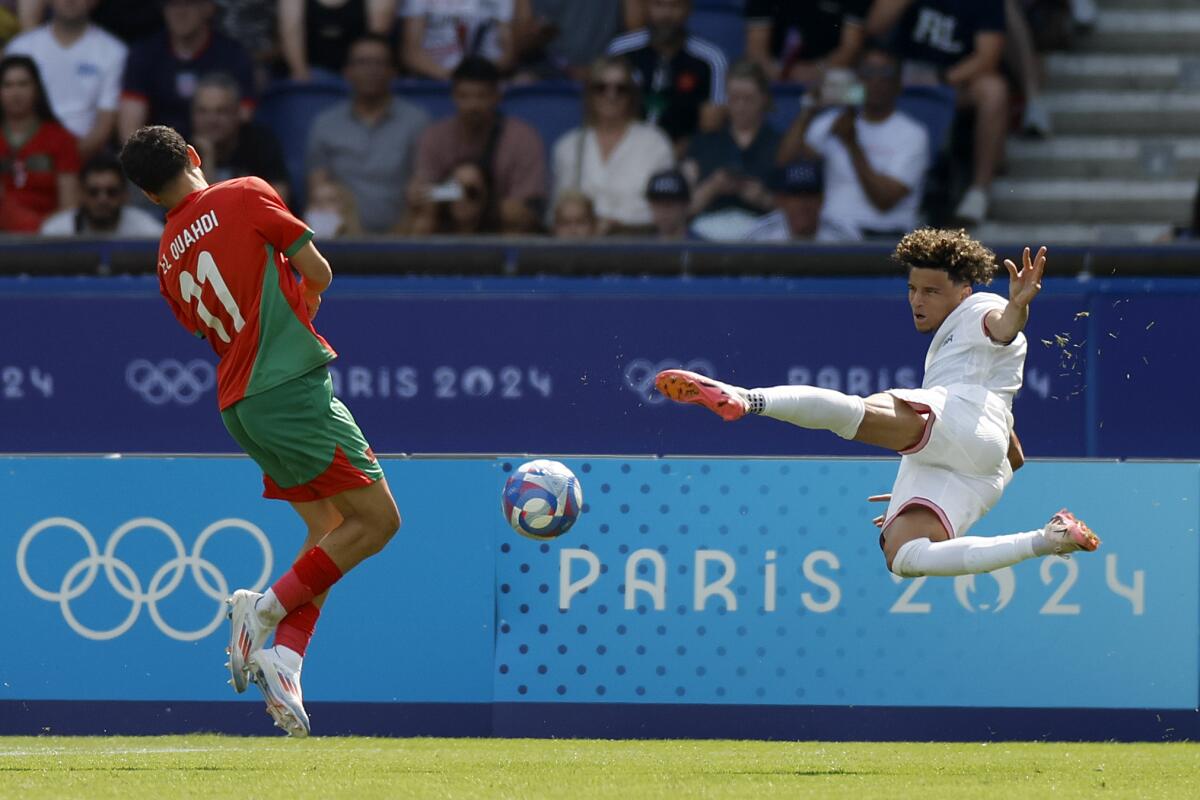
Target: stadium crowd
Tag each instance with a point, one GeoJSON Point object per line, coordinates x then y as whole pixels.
{"type": "Point", "coordinates": [805, 136]}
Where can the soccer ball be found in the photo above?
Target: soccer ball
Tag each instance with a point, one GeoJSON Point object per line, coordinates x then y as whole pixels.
{"type": "Point", "coordinates": [541, 499]}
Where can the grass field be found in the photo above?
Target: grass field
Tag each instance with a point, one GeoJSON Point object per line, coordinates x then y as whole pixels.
{"type": "Point", "coordinates": [215, 766]}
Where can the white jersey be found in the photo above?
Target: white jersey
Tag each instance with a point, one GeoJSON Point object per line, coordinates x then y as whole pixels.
{"type": "Point", "coordinates": [962, 352]}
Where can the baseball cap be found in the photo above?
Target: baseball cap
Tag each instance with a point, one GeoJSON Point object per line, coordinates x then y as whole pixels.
{"type": "Point", "coordinates": [799, 177]}
{"type": "Point", "coordinates": [668, 185]}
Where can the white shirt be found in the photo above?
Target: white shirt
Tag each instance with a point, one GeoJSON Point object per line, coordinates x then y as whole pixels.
{"type": "Point", "coordinates": [962, 353]}
{"type": "Point", "coordinates": [455, 29]}
{"type": "Point", "coordinates": [773, 227]}
{"type": "Point", "coordinates": [617, 186]}
{"type": "Point", "coordinates": [133, 224]}
{"type": "Point", "coordinates": [897, 147]}
{"type": "Point", "coordinates": [81, 79]}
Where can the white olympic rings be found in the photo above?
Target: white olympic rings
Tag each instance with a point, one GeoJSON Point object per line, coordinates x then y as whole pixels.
{"type": "Point", "coordinates": [166, 579]}
{"type": "Point", "coordinates": [170, 380]}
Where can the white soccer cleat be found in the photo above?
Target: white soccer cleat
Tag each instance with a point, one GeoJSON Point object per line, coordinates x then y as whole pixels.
{"type": "Point", "coordinates": [247, 634]}
{"type": "Point", "coordinates": [1069, 535]}
{"type": "Point", "coordinates": [280, 685]}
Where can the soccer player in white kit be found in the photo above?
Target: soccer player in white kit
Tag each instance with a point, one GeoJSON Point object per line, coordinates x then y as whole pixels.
{"type": "Point", "coordinates": [954, 434]}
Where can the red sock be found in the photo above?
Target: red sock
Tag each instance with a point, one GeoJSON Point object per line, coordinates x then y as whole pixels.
{"type": "Point", "coordinates": [311, 575]}
{"type": "Point", "coordinates": [296, 629]}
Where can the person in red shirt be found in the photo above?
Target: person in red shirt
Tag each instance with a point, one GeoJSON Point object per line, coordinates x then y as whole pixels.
{"type": "Point", "coordinates": [225, 268]}
{"type": "Point", "coordinates": [39, 158]}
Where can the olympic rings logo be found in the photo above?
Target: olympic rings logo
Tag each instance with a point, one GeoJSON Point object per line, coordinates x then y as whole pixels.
{"type": "Point", "coordinates": [79, 578]}
{"type": "Point", "coordinates": [170, 380]}
{"type": "Point", "coordinates": [640, 373]}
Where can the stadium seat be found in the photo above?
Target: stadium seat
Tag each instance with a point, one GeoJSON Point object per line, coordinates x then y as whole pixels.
{"type": "Point", "coordinates": [432, 96]}
{"type": "Point", "coordinates": [723, 5]}
{"type": "Point", "coordinates": [785, 105]}
{"type": "Point", "coordinates": [551, 108]}
{"type": "Point", "coordinates": [724, 27]}
{"type": "Point", "coordinates": [288, 109]}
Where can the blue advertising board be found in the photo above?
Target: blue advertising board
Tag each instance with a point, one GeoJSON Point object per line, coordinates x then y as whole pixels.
{"type": "Point", "coordinates": [567, 366]}
{"type": "Point", "coordinates": [687, 584]}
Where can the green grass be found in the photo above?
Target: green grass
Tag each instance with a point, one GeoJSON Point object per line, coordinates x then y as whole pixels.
{"type": "Point", "coordinates": [176, 767]}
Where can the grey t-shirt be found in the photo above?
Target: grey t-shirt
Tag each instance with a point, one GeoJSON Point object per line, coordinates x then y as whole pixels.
{"type": "Point", "coordinates": [373, 161]}
{"type": "Point", "coordinates": [585, 28]}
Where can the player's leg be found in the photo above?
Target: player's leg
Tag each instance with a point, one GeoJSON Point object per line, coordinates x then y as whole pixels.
{"type": "Point", "coordinates": [881, 419]}
{"type": "Point", "coordinates": [296, 629]}
{"type": "Point", "coordinates": [915, 543]}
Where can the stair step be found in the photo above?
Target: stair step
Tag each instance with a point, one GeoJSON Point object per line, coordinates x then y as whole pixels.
{"type": "Point", "coordinates": [1147, 113]}
{"type": "Point", "coordinates": [1140, 30]}
{"type": "Point", "coordinates": [1092, 201]}
{"type": "Point", "coordinates": [1122, 71]}
{"type": "Point", "coordinates": [999, 234]}
{"type": "Point", "coordinates": [1104, 157]}
{"type": "Point", "coordinates": [1146, 5]}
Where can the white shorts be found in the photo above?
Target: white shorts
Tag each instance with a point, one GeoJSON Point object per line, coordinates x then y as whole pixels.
{"type": "Point", "coordinates": [960, 467]}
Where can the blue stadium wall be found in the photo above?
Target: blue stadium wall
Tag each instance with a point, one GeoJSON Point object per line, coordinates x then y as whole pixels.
{"type": "Point", "coordinates": [695, 597]}
{"type": "Point", "coordinates": [112, 566]}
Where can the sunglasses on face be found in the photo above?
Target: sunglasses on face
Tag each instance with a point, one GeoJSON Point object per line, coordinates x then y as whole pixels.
{"type": "Point", "coordinates": [603, 87]}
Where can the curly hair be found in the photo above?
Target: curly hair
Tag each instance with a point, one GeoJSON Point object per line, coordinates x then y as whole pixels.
{"type": "Point", "coordinates": [954, 252]}
{"type": "Point", "coordinates": [154, 156]}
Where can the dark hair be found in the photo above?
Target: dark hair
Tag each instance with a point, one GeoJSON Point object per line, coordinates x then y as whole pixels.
{"type": "Point", "coordinates": [1196, 212]}
{"type": "Point", "coordinates": [476, 69]}
{"type": "Point", "coordinates": [219, 80]}
{"type": "Point", "coordinates": [102, 162]}
{"type": "Point", "coordinates": [41, 105]}
{"type": "Point", "coordinates": [954, 252]}
{"type": "Point", "coordinates": [876, 45]}
{"type": "Point", "coordinates": [489, 216]}
{"type": "Point", "coordinates": [154, 156]}
{"type": "Point", "coordinates": [373, 38]}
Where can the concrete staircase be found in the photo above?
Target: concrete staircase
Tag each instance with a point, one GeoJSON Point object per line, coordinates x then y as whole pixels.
{"type": "Point", "coordinates": [1124, 160]}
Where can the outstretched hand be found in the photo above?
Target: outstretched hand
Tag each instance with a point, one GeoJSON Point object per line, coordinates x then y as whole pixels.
{"type": "Point", "coordinates": [1024, 284]}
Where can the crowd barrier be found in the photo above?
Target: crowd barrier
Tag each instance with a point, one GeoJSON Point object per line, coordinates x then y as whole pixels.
{"type": "Point", "coordinates": [476, 365]}
{"type": "Point", "coordinates": [695, 597]}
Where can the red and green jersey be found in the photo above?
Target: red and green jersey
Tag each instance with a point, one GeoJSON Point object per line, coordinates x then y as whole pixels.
{"type": "Point", "coordinates": [223, 268]}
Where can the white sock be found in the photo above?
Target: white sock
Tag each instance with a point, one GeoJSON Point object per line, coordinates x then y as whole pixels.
{"type": "Point", "coordinates": [810, 407]}
{"type": "Point", "coordinates": [969, 555]}
{"type": "Point", "coordinates": [270, 611]}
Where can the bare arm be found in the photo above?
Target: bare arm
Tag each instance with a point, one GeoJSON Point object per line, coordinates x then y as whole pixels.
{"type": "Point", "coordinates": [102, 130]}
{"type": "Point", "coordinates": [793, 145]}
{"type": "Point", "coordinates": [635, 14]}
{"type": "Point", "coordinates": [1016, 456]}
{"type": "Point", "coordinates": [317, 275]}
{"type": "Point", "coordinates": [68, 190]}
{"type": "Point", "coordinates": [381, 16]}
{"type": "Point", "coordinates": [882, 190]}
{"type": "Point", "coordinates": [291, 38]}
{"type": "Point", "coordinates": [1023, 286]}
{"type": "Point", "coordinates": [758, 48]}
{"type": "Point", "coordinates": [508, 47]}
{"type": "Point", "coordinates": [30, 13]}
{"type": "Point", "coordinates": [884, 15]}
{"type": "Point", "coordinates": [415, 57]}
{"type": "Point", "coordinates": [984, 59]}
{"type": "Point", "coordinates": [131, 115]}
{"type": "Point", "coordinates": [851, 43]}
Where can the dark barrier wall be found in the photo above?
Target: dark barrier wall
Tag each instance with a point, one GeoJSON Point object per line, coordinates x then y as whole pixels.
{"type": "Point", "coordinates": [474, 365]}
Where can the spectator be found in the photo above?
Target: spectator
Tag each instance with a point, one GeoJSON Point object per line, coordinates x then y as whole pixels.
{"type": "Point", "coordinates": [102, 210]}
{"type": "Point", "coordinates": [440, 36]}
{"type": "Point", "coordinates": [959, 43]}
{"type": "Point", "coordinates": [798, 191]}
{"type": "Point", "coordinates": [797, 41]}
{"type": "Point", "coordinates": [229, 147]}
{"type": "Point", "coordinates": [682, 77]}
{"type": "Point", "coordinates": [561, 38]}
{"type": "Point", "coordinates": [509, 150]}
{"type": "Point", "coordinates": [462, 206]}
{"type": "Point", "coordinates": [39, 160]}
{"type": "Point", "coordinates": [128, 20]}
{"type": "Point", "coordinates": [1027, 68]}
{"type": "Point", "coordinates": [10, 25]}
{"type": "Point", "coordinates": [252, 24]}
{"type": "Point", "coordinates": [366, 143]}
{"type": "Point", "coordinates": [81, 66]}
{"type": "Point", "coordinates": [332, 212]}
{"type": "Point", "coordinates": [612, 156]}
{"type": "Point", "coordinates": [318, 33]}
{"type": "Point", "coordinates": [875, 157]}
{"type": "Point", "coordinates": [730, 168]}
{"type": "Point", "coordinates": [575, 216]}
{"type": "Point", "coordinates": [163, 71]}
{"type": "Point", "coordinates": [669, 198]}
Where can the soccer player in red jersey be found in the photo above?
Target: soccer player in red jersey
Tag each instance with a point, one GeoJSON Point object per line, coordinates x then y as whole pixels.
{"type": "Point", "coordinates": [225, 267]}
